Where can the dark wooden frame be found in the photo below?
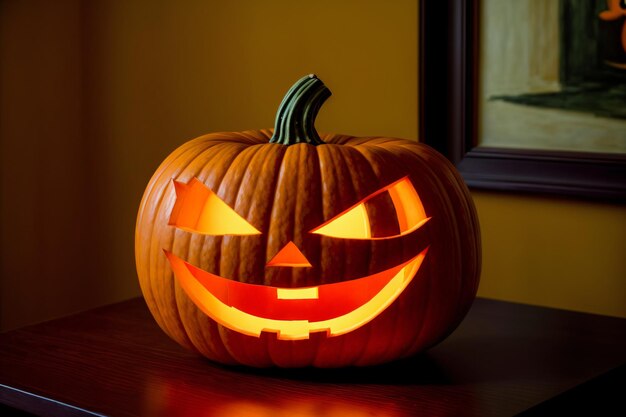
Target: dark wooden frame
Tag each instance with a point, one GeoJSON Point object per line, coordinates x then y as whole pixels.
{"type": "Point", "coordinates": [448, 82]}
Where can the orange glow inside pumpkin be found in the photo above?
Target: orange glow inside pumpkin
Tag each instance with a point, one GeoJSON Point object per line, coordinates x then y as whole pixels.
{"type": "Point", "coordinates": [354, 223]}
{"type": "Point", "coordinates": [289, 255]}
{"type": "Point", "coordinates": [198, 209]}
{"type": "Point", "coordinates": [294, 313]}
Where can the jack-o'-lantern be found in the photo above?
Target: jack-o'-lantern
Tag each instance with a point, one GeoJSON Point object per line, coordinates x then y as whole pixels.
{"type": "Point", "coordinates": [286, 248]}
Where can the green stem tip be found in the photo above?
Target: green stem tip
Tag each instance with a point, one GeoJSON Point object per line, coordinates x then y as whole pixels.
{"type": "Point", "coordinates": [295, 119]}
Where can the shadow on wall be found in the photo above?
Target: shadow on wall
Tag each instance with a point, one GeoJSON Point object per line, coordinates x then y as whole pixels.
{"type": "Point", "coordinates": [53, 244]}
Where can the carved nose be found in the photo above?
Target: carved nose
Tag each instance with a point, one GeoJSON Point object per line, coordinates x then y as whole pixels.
{"type": "Point", "coordinates": [289, 255]}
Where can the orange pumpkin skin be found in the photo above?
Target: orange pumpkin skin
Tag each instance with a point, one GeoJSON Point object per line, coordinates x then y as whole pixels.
{"type": "Point", "coordinates": [285, 192]}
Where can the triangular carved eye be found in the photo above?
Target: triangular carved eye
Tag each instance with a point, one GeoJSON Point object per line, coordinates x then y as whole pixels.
{"type": "Point", "coordinates": [354, 223]}
{"type": "Point", "coordinates": [198, 209]}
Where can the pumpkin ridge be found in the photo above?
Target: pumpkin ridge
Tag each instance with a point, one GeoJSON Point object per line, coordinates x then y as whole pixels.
{"type": "Point", "coordinates": [227, 157]}
{"type": "Point", "coordinates": [258, 163]}
{"type": "Point", "coordinates": [424, 158]}
{"type": "Point", "coordinates": [307, 166]}
{"type": "Point", "coordinates": [272, 206]}
{"type": "Point", "coordinates": [145, 286]}
{"type": "Point", "coordinates": [153, 260]}
{"type": "Point", "coordinates": [264, 154]}
{"type": "Point", "coordinates": [232, 341]}
{"type": "Point", "coordinates": [214, 153]}
{"type": "Point", "coordinates": [246, 138]}
{"type": "Point", "coordinates": [454, 226]}
{"type": "Point", "coordinates": [274, 215]}
{"type": "Point", "coordinates": [228, 266]}
{"type": "Point", "coordinates": [329, 171]}
{"type": "Point", "coordinates": [393, 309]}
{"type": "Point", "coordinates": [332, 170]}
{"type": "Point", "coordinates": [209, 328]}
{"type": "Point", "coordinates": [472, 269]}
{"type": "Point", "coordinates": [354, 161]}
{"type": "Point", "coordinates": [416, 344]}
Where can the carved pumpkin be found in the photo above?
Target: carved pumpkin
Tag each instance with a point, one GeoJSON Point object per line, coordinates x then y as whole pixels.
{"type": "Point", "coordinates": [283, 248]}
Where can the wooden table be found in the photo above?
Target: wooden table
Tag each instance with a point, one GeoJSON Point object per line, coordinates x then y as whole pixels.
{"type": "Point", "coordinates": [505, 358]}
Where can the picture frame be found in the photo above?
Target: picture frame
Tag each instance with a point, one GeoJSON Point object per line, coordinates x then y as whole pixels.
{"type": "Point", "coordinates": [449, 74]}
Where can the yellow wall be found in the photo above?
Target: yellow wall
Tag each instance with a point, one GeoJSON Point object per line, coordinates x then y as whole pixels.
{"type": "Point", "coordinates": [99, 92]}
{"type": "Point", "coordinates": [553, 252]}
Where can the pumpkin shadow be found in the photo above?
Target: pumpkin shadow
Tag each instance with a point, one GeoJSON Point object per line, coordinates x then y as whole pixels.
{"type": "Point", "coordinates": [420, 369]}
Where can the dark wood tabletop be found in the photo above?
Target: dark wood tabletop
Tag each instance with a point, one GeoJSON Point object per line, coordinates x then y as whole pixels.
{"type": "Point", "coordinates": [504, 359]}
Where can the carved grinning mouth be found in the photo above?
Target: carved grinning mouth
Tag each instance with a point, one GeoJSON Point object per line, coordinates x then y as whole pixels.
{"type": "Point", "coordinates": [294, 313]}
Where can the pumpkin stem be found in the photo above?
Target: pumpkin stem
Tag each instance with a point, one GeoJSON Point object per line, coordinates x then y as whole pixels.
{"type": "Point", "coordinates": [295, 119]}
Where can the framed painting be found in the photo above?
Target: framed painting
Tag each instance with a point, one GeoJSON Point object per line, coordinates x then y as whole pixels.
{"type": "Point", "coordinates": [529, 95]}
